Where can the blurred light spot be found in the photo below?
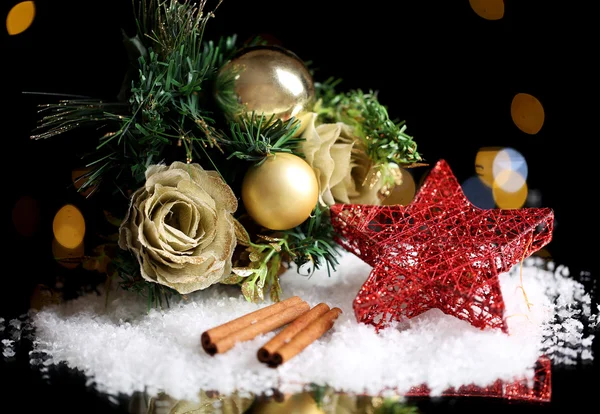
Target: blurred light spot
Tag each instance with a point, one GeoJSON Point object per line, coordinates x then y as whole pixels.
{"type": "Point", "coordinates": [69, 258]}
{"type": "Point", "coordinates": [488, 9]}
{"type": "Point", "coordinates": [69, 226]}
{"type": "Point", "coordinates": [534, 198]}
{"type": "Point", "coordinates": [20, 17]}
{"type": "Point", "coordinates": [527, 113]}
{"type": "Point", "coordinates": [26, 216]}
{"type": "Point", "coordinates": [509, 181]}
{"type": "Point", "coordinates": [510, 159]}
{"type": "Point", "coordinates": [478, 193]}
{"type": "Point", "coordinates": [492, 162]}
{"type": "Point", "coordinates": [509, 199]}
{"type": "Point", "coordinates": [403, 193]}
{"type": "Point", "coordinates": [484, 163]}
{"type": "Point", "coordinates": [79, 178]}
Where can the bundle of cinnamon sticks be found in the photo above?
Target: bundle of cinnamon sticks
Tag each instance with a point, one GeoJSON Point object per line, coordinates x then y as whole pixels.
{"type": "Point", "coordinates": [304, 326]}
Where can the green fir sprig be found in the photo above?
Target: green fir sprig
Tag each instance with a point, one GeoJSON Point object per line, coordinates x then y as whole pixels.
{"type": "Point", "coordinates": [127, 269]}
{"type": "Point", "coordinates": [314, 242]}
{"type": "Point", "coordinates": [167, 114]}
{"type": "Point", "coordinates": [254, 137]}
{"type": "Point", "coordinates": [386, 140]}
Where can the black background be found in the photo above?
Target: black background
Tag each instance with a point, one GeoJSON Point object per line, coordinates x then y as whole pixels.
{"type": "Point", "coordinates": [448, 72]}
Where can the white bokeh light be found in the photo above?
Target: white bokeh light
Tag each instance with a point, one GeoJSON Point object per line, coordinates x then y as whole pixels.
{"type": "Point", "coordinates": [510, 170]}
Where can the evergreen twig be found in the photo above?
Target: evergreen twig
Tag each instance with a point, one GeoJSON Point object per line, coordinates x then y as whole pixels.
{"type": "Point", "coordinates": [168, 99]}
{"type": "Point", "coordinates": [254, 137]}
{"type": "Point", "coordinates": [128, 270]}
{"type": "Point", "coordinates": [314, 242]}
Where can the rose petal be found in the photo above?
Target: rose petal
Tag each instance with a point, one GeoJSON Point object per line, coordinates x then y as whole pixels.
{"type": "Point", "coordinates": [175, 240]}
{"type": "Point", "coordinates": [221, 192]}
{"type": "Point", "coordinates": [168, 178]}
{"type": "Point", "coordinates": [340, 153]}
{"type": "Point", "coordinates": [126, 236]}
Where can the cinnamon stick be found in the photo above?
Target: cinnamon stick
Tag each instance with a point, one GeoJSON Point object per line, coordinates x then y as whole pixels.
{"type": "Point", "coordinates": [286, 335]}
{"type": "Point", "coordinates": [304, 338]}
{"type": "Point", "coordinates": [262, 326]}
{"type": "Point", "coordinates": [211, 336]}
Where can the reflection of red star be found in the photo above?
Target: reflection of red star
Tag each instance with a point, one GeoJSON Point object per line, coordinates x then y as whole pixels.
{"type": "Point", "coordinates": [438, 252]}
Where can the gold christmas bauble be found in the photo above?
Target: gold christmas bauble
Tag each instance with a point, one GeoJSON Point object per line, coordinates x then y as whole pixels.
{"type": "Point", "coordinates": [280, 193]}
{"type": "Point", "coordinates": [296, 404]}
{"type": "Point", "coordinates": [269, 80]}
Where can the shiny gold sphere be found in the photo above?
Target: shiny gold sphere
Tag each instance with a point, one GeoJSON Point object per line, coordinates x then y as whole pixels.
{"type": "Point", "coordinates": [296, 404]}
{"type": "Point", "coordinates": [270, 80]}
{"type": "Point", "coordinates": [280, 193]}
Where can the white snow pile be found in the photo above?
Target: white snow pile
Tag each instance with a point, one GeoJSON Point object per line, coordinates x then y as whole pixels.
{"type": "Point", "coordinates": [123, 348]}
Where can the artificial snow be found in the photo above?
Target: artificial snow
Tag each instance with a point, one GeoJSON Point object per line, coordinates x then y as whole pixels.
{"type": "Point", "coordinates": [123, 348]}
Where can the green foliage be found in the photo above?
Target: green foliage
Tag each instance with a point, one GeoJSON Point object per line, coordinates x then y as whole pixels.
{"type": "Point", "coordinates": [254, 137]}
{"type": "Point", "coordinates": [166, 116]}
{"type": "Point", "coordinates": [127, 268]}
{"type": "Point", "coordinates": [311, 242]}
{"type": "Point", "coordinates": [386, 140]}
{"type": "Point", "coordinates": [325, 94]}
{"type": "Point", "coordinates": [394, 406]}
{"type": "Point", "coordinates": [314, 242]}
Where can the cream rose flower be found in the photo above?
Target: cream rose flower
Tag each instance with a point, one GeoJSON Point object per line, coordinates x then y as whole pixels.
{"type": "Point", "coordinates": [342, 166]}
{"type": "Point", "coordinates": [180, 227]}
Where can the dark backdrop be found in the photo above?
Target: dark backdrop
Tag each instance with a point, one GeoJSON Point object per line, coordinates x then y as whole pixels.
{"type": "Point", "coordinates": [448, 72]}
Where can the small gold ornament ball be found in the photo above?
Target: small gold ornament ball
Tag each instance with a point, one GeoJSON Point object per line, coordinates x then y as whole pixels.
{"type": "Point", "coordinates": [271, 80]}
{"type": "Point", "coordinates": [296, 404]}
{"type": "Point", "coordinates": [280, 193]}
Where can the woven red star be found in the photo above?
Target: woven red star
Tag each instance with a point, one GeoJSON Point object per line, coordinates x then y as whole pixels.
{"type": "Point", "coordinates": [438, 252]}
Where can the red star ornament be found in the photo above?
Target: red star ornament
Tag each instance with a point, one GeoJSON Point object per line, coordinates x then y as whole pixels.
{"type": "Point", "coordinates": [440, 252]}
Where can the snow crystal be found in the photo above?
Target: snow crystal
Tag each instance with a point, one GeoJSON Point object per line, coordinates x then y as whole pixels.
{"type": "Point", "coordinates": [15, 323]}
{"type": "Point", "coordinates": [124, 349]}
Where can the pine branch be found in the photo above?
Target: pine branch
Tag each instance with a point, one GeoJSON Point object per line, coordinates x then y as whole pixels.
{"type": "Point", "coordinates": [166, 112]}
{"type": "Point", "coordinates": [128, 270]}
{"type": "Point", "coordinates": [253, 137]}
{"type": "Point", "coordinates": [386, 140]}
{"type": "Point", "coordinates": [326, 94]}
{"type": "Point", "coordinates": [314, 242]}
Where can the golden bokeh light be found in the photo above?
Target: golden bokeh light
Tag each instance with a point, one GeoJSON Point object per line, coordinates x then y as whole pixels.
{"type": "Point", "coordinates": [509, 159]}
{"type": "Point", "coordinates": [488, 9]}
{"type": "Point", "coordinates": [79, 178]}
{"type": "Point", "coordinates": [20, 17]}
{"type": "Point", "coordinates": [26, 216]}
{"type": "Point", "coordinates": [509, 199]}
{"type": "Point", "coordinates": [404, 193]}
{"type": "Point", "coordinates": [69, 226]}
{"type": "Point", "coordinates": [69, 258]}
{"type": "Point", "coordinates": [494, 165]}
{"type": "Point", "coordinates": [527, 113]}
{"type": "Point", "coordinates": [484, 164]}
